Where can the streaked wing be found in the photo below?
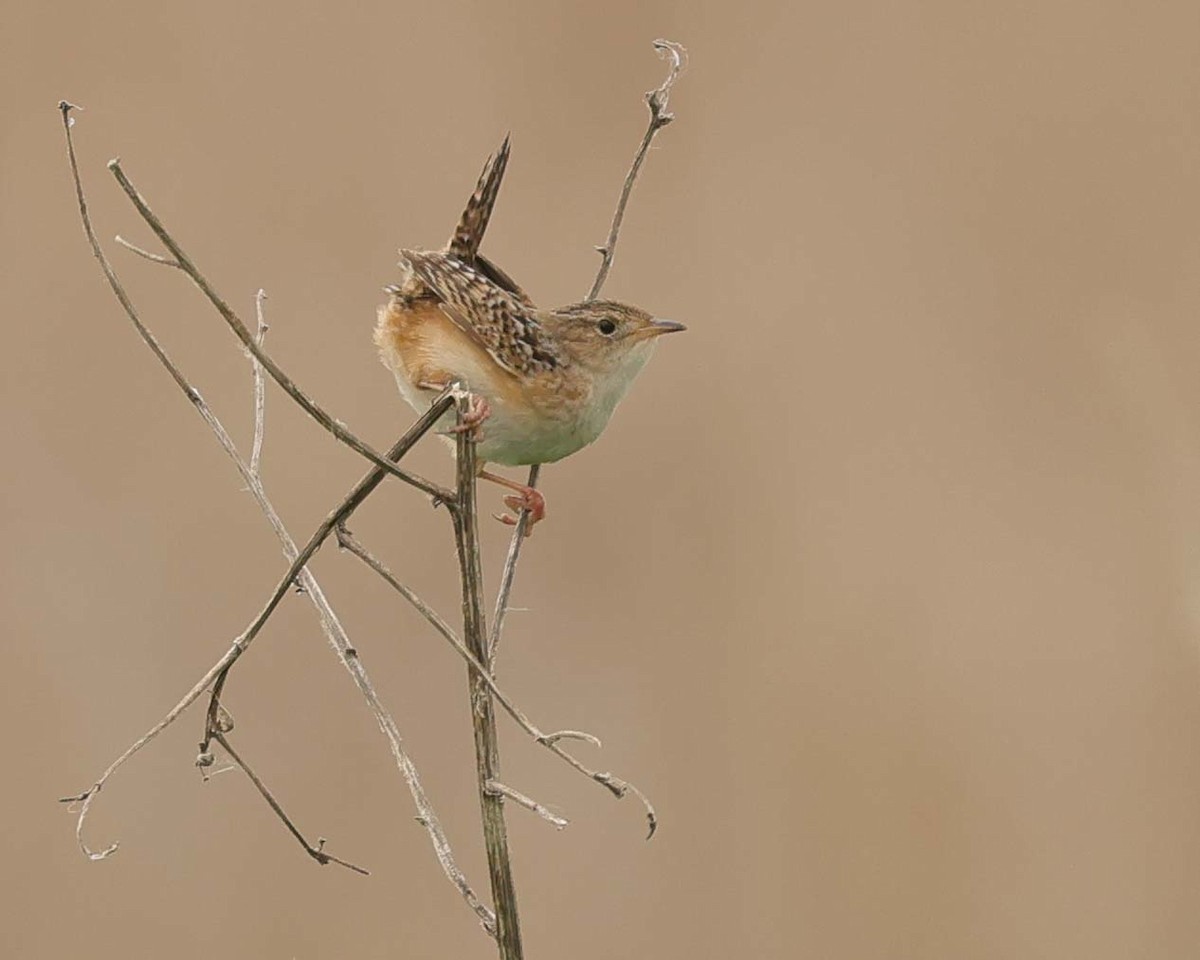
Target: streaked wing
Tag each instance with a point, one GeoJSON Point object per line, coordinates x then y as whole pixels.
{"type": "Point", "coordinates": [502, 322]}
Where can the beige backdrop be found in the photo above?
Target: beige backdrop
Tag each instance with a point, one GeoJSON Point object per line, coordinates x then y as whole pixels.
{"type": "Point", "coordinates": [884, 582]}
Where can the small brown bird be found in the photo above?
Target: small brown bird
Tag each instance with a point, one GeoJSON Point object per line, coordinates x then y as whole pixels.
{"type": "Point", "coordinates": [545, 381]}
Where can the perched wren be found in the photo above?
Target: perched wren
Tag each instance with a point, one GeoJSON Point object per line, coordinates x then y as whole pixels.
{"type": "Point", "coordinates": [543, 383]}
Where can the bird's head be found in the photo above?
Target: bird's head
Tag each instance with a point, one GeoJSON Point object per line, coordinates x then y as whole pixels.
{"type": "Point", "coordinates": [610, 340]}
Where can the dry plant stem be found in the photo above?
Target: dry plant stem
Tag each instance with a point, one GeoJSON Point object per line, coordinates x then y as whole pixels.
{"type": "Point", "coordinates": [216, 674]}
{"type": "Point", "coordinates": [338, 515]}
{"type": "Point", "coordinates": [349, 542]}
{"type": "Point", "coordinates": [318, 852]}
{"type": "Point", "coordinates": [118, 290]}
{"type": "Point", "coordinates": [615, 785]}
{"type": "Point", "coordinates": [483, 718]}
{"type": "Point", "coordinates": [146, 254]}
{"type": "Point", "coordinates": [509, 574]}
{"type": "Point", "coordinates": [656, 100]}
{"type": "Point", "coordinates": [330, 622]}
{"type": "Point", "coordinates": [335, 427]}
{"type": "Point", "coordinates": [528, 803]}
{"type": "Point", "coordinates": [260, 385]}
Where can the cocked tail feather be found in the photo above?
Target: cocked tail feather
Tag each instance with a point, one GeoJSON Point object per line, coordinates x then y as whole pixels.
{"type": "Point", "coordinates": [468, 235]}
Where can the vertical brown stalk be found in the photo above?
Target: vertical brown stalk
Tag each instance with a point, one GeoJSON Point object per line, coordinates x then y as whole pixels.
{"type": "Point", "coordinates": [487, 753]}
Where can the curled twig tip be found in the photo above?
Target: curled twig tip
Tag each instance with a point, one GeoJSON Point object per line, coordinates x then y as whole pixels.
{"type": "Point", "coordinates": [676, 51]}
{"type": "Point", "coordinates": [102, 854]}
{"type": "Point", "coordinates": [656, 100]}
{"type": "Point", "coordinates": [677, 54]}
{"type": "Point", "coordinates": [572, 735]}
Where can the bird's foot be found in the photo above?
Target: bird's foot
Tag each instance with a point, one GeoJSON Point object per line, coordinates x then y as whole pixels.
{"type": "Point", "coordinates": [478, 410]}
{"type": "Point", "coordinates": [526, 499]}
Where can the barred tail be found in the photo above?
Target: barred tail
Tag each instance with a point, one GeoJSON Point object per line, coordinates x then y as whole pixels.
{"type": "Point", "coordinates": [464, 245]}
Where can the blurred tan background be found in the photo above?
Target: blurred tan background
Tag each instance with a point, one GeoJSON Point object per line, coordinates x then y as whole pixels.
{"type": "Point", "coordinates": [884, 582]}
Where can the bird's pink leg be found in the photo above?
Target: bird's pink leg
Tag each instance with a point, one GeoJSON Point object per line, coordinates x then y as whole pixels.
{"type": "Point", "coordinates": [477, 411]}
{"type": "Point", "coordinates": [527, 499]}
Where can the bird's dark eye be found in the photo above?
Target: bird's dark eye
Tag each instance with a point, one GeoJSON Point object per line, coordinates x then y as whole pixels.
{"type": "Point", "coordinates": [606, 327]}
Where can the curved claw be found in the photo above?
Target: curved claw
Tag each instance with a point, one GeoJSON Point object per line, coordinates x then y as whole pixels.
{"type": "Point", "coordinates": [527, 499]}
{"type": "Point", "coordinates": [472, 420]}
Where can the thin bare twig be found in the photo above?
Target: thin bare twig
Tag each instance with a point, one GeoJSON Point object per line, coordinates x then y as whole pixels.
{"type": "Point", "coordinates": [330, 622]}
{"type": "Point", "coordinates": [583, 735]}
{"type": "Point", "coordinates": [318, 852]}
{"type": "Point", "coordinates": [260, 385]}
{"type": "Point", "coordinates": [528, 803]}
{"type": "Point", "coordinates": [656, 100]}
{"type": "Point", "coordinates": [349, 542]}
{"type": "Point", "coordinates": [146, 254]}
{"type": "Point", "coordinates": [118, 290]}
{"type": "Point", "coordinates": [335, 427]}
{"type": "Point", "coordinates": [339, 514]}
{"type": "Point", "coordinates": [509, 574]}
{"type": "Point", "coordinates": [483, 718]}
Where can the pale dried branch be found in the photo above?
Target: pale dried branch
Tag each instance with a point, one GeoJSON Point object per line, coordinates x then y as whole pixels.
{"type": "Point", "coordinates": [349, 542]}
{"type": "Point", "coordinates": [118, 290]}
{"type": "Point", "coordinates": [339, 514]}
{"type": "Point", "coordinates": [503, 790]}
{"type": "Point", "coordinates": [260, 385]}
{"type": "Point", "coordinates": [573, 735]}
{"type": "Point", "coordinates": [318, 852]}
{"type": "Point", "coordinates": [509, 573]}
{"type": "Point", "coordinates": [656, 100]}
{"type": "Point", "coordinates": [335, 427]}
{"type": "Point", "coordinates": [330, 623]}
{"type": "Point", "coordinates": [217, 674]}
{"type": "Point", "coordinates": [146, 254]}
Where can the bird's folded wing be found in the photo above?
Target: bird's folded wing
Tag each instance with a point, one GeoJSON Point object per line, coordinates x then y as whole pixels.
{"type": "Point", "coordinates": [501, 322]}
{"type": "Point", "coordinates": [502, 280]}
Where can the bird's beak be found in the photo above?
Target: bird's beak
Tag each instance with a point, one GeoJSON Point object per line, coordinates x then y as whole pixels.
{"type": "Point", "coordinates": [659, 327]}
